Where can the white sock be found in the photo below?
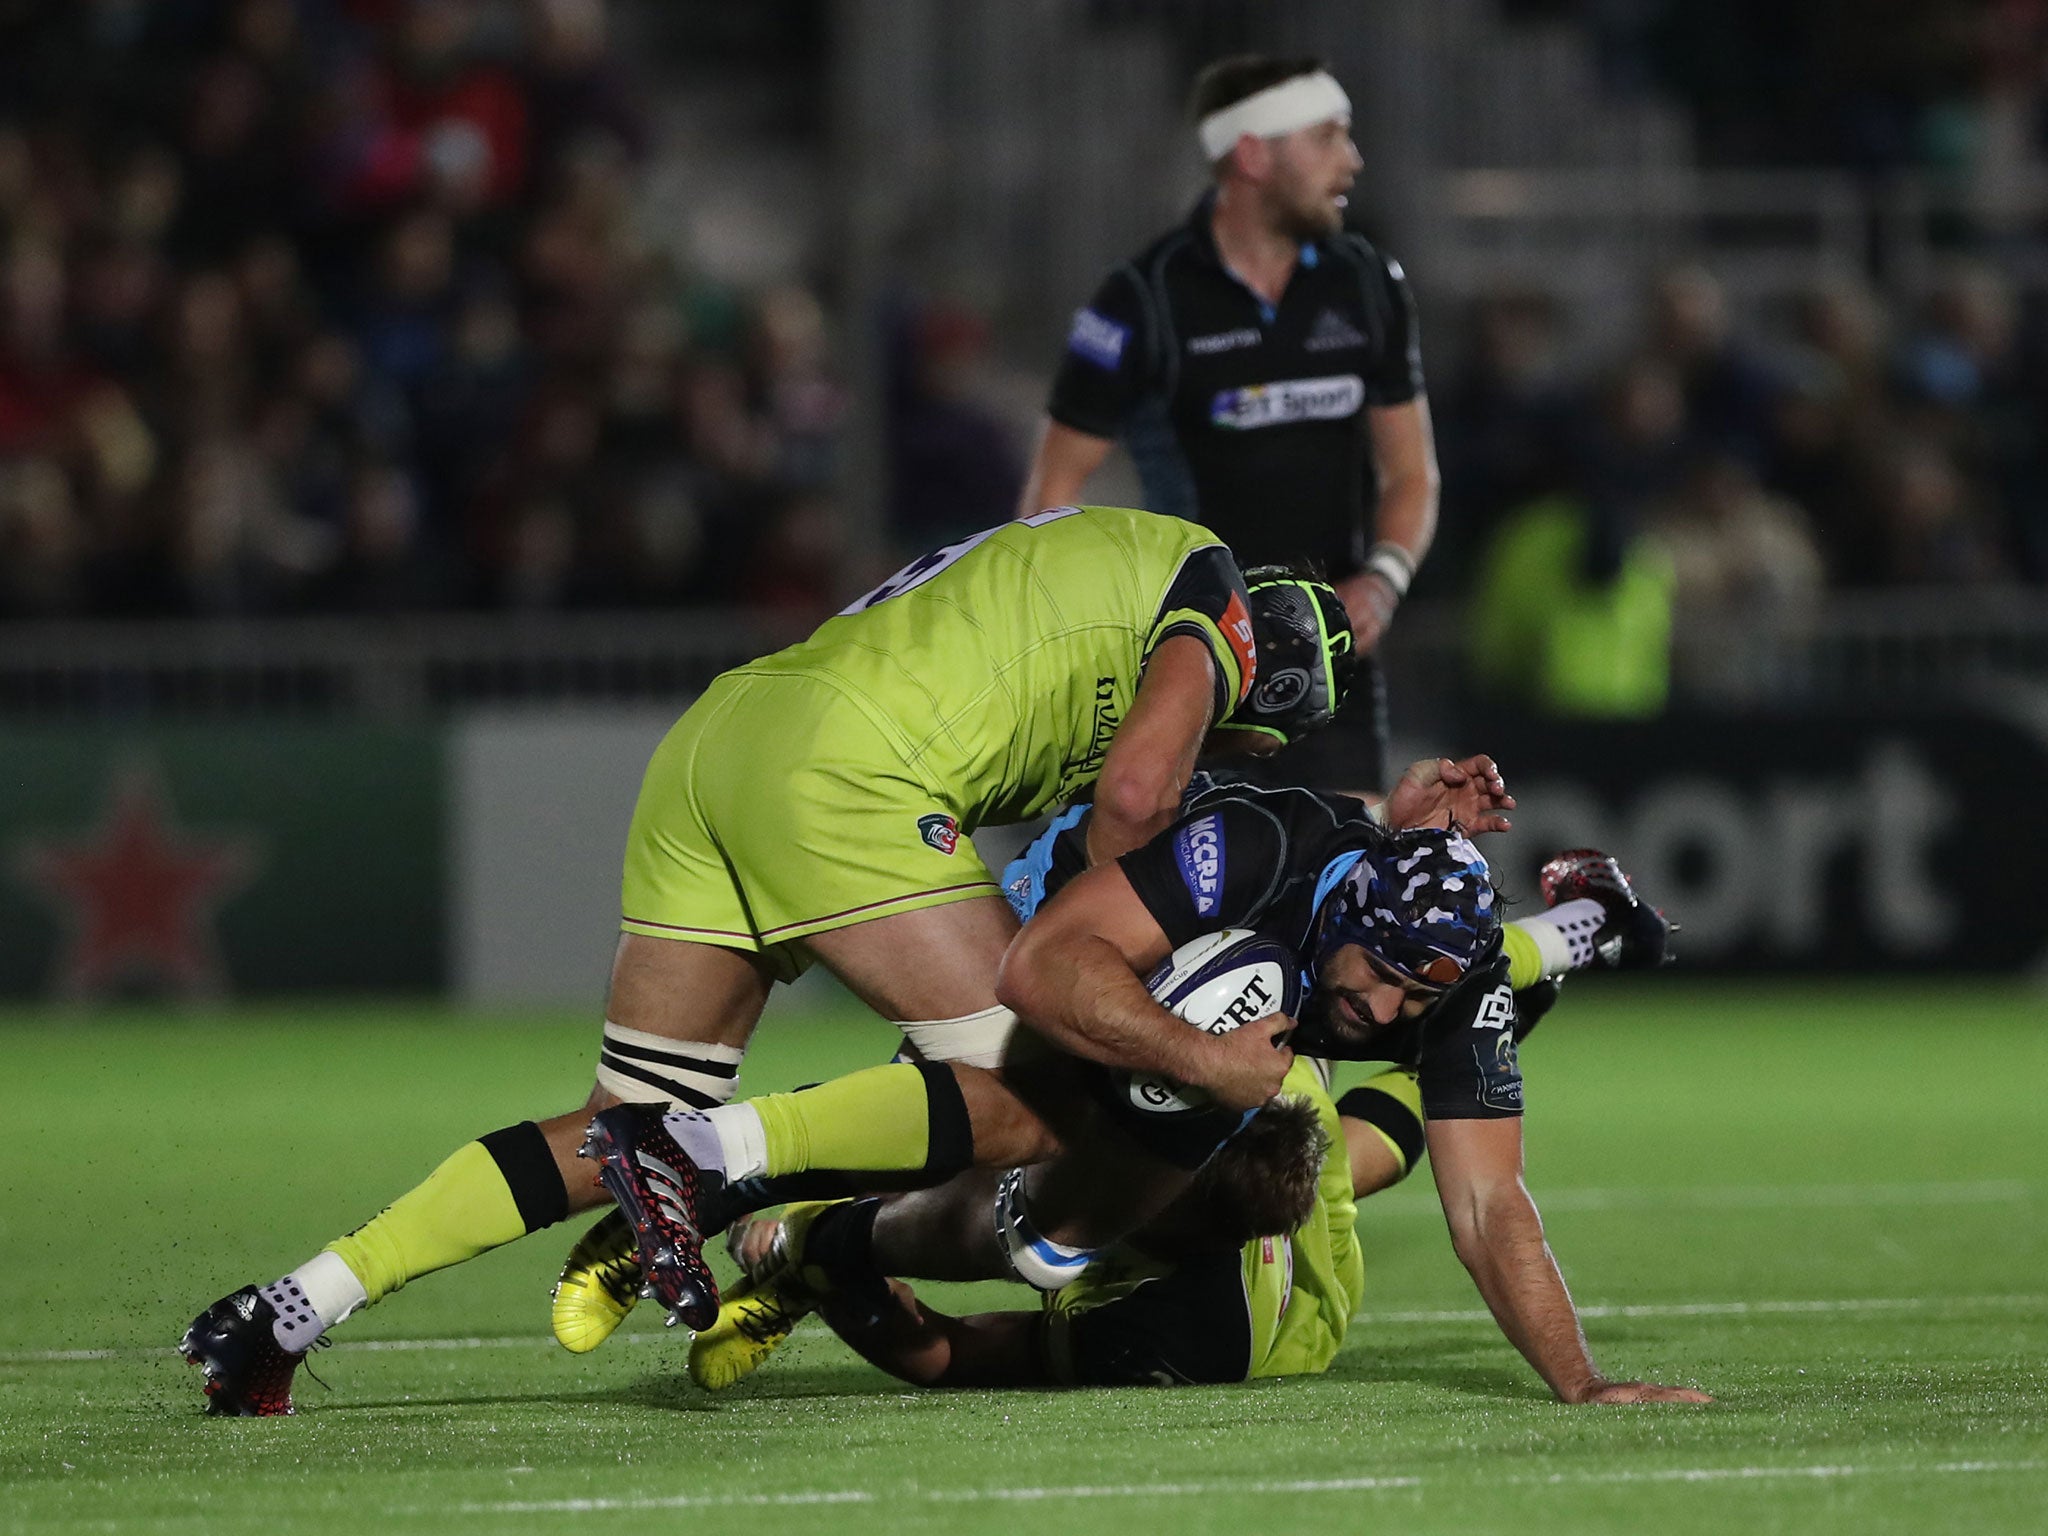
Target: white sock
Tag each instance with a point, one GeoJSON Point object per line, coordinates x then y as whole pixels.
{"type": "Point", "coordinates": [729, 1139]}
{"type": "Point", "coordinates": [1564, 934]}
{"type": "Point", "coordinates": [320, 1293]}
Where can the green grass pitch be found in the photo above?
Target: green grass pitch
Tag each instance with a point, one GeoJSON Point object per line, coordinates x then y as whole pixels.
{"type": "Point", "coordinates": [1824, 1204]}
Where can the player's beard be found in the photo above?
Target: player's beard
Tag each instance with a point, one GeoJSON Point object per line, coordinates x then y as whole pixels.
{"type": "Point", "coordinates": [1305, 216]}
{"type": "Point", "coordinates": [1322, 1018]}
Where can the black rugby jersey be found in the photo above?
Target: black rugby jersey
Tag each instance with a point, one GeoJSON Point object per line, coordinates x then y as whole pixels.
{"type": "Point", "coordinates": [1247, 417]}
{"type": "Point", "coordinates": [1246, 857]}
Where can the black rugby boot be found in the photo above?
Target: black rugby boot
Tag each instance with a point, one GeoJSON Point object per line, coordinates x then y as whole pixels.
{"type": "Point", "coordinates": [663, 1194]}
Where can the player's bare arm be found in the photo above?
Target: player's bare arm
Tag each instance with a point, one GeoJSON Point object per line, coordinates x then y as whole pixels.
{"type": "Point", "coordinates": [1404, 463]}
{"type": "Point", "coordinates": [1066, 457]}
{"type": "Point", "coordinates": [1153, 754]}
{"type": "Point", "coordinates": [1499, 1238]}
{"type": "Point", "coordinates": [927, 1348]}
{"type": "Point", "coordinates": [1075, 974]}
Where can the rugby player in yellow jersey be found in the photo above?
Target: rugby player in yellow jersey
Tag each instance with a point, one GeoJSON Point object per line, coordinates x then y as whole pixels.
{"type": "Point", "coordinates": [1199, 1296]}
{"type": "Point", "coordinates": [814, 806]}
{"type": "Point", "coordinates": [1255, 1270]}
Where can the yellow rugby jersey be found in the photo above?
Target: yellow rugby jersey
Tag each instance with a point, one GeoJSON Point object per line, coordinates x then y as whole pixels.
{"type": "Point", "coordinates": [1003, 664]}
{"type": "Point", "coordinates": [1303, 1288]}
{"type": "Point", "coordinates": [1279, 1307]}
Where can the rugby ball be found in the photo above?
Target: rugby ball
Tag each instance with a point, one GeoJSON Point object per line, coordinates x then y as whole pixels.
{"type": "Point", "coordinates": [1218, 983]}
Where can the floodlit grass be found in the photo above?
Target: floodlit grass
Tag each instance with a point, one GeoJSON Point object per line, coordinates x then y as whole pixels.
{"type": "Point", "coordinates": [1824, 1204]}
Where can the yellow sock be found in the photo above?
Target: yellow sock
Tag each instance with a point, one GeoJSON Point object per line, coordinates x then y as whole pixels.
{"type": "Point", "coordinates": [464, 1208]}
{"type": "Point", "coordinates": [906, 1117]}
{"type": "Point", "coordinates": [1391, 1103]}
{"type": "Point", "coordinates": [1525, 959]}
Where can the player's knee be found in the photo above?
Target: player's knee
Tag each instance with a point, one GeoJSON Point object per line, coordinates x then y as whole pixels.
{"type": "Point", "coordinates": [1006, 1131]}
{"type": "Point", "coordinates": [1033, 1258]}
{"type": "Point", "coordinates": [978, 1039]}
{"type": "Point", "coordinates": [635, 1066]}
{"type": "Point", "coordinates": [1389, 1105]}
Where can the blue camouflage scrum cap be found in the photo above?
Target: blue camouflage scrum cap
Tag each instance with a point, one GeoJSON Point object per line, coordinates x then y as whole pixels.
{"type": "Point", "coordinates": [1422, 903]}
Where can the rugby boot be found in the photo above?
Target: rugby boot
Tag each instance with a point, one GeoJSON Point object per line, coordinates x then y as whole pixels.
{"type": "Point", "coordinates": [1636, 935]}
{"type": "Point", "coordinates": [248, 1373]}
{"type": "Point", "coordinates": [598, 1286]}
{"type": "Point", "coordinates": [773, 1295]}
{"type": "Point", "coordinates": [660, 1192]}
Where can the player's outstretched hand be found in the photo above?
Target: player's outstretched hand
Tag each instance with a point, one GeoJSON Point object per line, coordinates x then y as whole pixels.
{"type": "Point", "coordinates": [1246, 1067]}
{"type": "Point", "coordinates": [1643, 1392]}
{"type": "Point", "coordinates": [1436, 791]}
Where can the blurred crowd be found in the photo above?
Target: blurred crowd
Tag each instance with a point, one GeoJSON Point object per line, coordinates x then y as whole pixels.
{"type": "Point", "coordinates": [1942, 87]}
{"type": "Point", "coordinates": [313, 305]}
{"type": "Point", "coordinates": [347, 305]}
{"type": "Point", "coordinates": [1855, 444]}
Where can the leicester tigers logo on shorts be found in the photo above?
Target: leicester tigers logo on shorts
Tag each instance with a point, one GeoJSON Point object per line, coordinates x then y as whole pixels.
{"type": "Point", "coordinates": [942, 832]}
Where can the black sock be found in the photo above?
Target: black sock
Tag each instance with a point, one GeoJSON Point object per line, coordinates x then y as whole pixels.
{"type": "Point", "coordinates": [841, 1242]}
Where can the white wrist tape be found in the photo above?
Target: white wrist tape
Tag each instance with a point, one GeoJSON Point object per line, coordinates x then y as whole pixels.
{"type": "Point", "coordinates": [1393, 565]}
{"type": "Point", "coordinates": [1280, 109]}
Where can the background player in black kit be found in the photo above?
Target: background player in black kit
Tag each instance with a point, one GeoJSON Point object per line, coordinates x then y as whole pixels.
{"type": "Point", "coordinates": [1262, 365]}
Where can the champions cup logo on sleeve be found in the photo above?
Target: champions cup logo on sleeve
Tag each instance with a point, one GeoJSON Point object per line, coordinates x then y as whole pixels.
{"type": "Point", "coordinates": [1288, 400]}
{"type": "Point", "coordinates": [1500, 1074]}
{"type": "Point", "coordinates": [1199, 848]}
{"type": "Point", "coordinates": [1097, 339]}
{"type": "Point", "coordinates": [942, 832]}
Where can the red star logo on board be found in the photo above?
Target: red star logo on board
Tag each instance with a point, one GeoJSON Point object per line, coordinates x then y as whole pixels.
{"type": "Point", "coordinates": [139, 894]}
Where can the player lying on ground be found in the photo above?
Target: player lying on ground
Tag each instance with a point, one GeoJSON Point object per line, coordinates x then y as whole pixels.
{"type": "Point", "coordinates": [601, 1280]}
{"type": "Point", "coordinates": [1401, 936]}
{"type": "Point", "coordinates": [1255, 1271]}
{"type": "Point", "coordinates": [813, 806]}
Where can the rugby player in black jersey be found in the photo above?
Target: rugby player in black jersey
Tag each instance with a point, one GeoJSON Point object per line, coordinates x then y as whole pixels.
{"type": "Point", "coordinates": [1261, 362]}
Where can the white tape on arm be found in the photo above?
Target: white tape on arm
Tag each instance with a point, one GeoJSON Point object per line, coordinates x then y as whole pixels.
{"type": "Point", "coordinates": [1393, 565]}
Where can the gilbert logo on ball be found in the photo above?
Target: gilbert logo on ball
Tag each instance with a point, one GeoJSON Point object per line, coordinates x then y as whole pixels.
{"type": "Point", "coordinates": [1218, 983]}
{"type": "Point", "coordinates": [942, 832]}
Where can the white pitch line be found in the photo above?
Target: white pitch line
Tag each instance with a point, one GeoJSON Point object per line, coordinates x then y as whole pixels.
{"type": "Point", "coordinates": [1748, 1197]}
{"type": "Point", "coordinates": [1671, 1309]}
{"type": "Point", "coordinates": [1260, 1488]}
{"type": "Point", "coordinates": [1738, 1308]}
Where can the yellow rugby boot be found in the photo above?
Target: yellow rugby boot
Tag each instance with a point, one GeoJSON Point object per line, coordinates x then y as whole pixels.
{"type": "Point", "coordinates": [761, 1309]}
{"type": "Point", "coordinates": [598, 1286]}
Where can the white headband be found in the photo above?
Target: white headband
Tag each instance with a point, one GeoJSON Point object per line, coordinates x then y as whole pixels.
{"type": "Point", "coordinates": [1279, 109]}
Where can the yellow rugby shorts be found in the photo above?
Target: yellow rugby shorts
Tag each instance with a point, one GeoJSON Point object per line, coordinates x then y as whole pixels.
{"type": "Point", "coordinates": [778, 807]}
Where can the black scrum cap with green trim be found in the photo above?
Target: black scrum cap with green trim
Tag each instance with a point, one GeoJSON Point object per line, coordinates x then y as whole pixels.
{"type": "Point", "coordinates": [1304, 654]}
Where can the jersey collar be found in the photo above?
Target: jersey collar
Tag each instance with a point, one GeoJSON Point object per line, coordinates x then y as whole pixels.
{"type": "Point", "coordinates": [1205, 241]}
